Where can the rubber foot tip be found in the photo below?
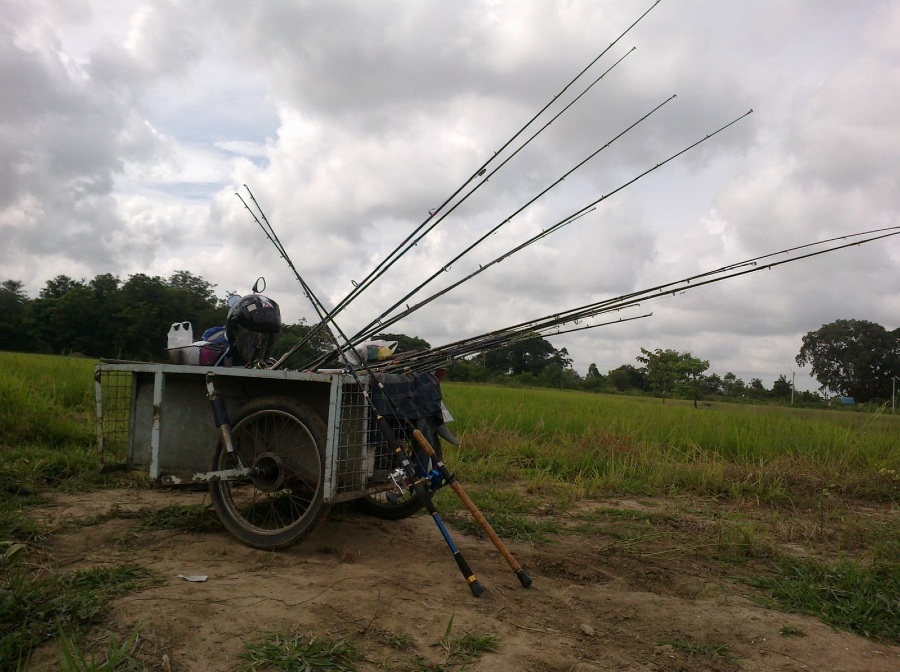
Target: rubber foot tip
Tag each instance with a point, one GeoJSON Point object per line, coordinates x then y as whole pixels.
{"type": "Point", "coordinates": [476, 588]}
{"type": "Point", "coordinates": [524, 579]}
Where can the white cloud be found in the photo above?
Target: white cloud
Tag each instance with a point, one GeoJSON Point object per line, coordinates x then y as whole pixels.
{"type": "Point", "coordinates": [134, 123]}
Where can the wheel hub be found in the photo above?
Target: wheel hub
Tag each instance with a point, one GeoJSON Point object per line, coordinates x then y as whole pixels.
{"type": "Point", "coordinates": [268, 472]}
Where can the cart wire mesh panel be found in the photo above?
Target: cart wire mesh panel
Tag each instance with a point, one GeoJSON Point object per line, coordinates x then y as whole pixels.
{"type": "Point", "coordinates": [113, 393]}
{"type": "Point", "coordinates": [356, 460]}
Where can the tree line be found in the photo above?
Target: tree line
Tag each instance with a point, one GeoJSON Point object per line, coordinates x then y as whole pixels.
{"type": "Point", "coordinates": [129, 319]}
{"type": "Point", "coordinates": [114, 319]}
{"type": "Point", "coordinates": [853, 359]}
{"type": "Point", "coordinates": [662, 373]}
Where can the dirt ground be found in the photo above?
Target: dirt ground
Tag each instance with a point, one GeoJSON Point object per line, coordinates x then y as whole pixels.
{"type": "Point", "coordinates": [392, 587]}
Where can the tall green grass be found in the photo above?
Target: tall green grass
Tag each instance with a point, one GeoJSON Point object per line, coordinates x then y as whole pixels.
{"type": "Point", "coordinates": [46, 400]}
{"type": "Point", "coordinates": [47, 435]}
{"type": "Point", "coordinates": [35, 605]}
{"type": "Point", "coordinates": [849, 595]}
{"type": "Point", "coordinates": [545, 439]}
{"type": "Point", "coordinates": [733, 431]}
{"type": "Point", "coordinates": [602, 442]}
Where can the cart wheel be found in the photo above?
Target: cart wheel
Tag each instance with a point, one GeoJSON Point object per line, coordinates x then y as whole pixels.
{"type": "Point", "coordinates": [380, 506]}
{"type": "Point", "coordinates": [283, 501]}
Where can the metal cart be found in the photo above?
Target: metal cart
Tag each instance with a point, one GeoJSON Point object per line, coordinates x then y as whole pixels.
{"type": "Point", "coordinates": [302, 441]}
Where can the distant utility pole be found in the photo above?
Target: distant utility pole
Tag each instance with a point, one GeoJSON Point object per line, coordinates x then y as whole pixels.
{"type": "Point", "coordinates": [792, 385]}
{"type": "Point", "coordinates": [893, 393]}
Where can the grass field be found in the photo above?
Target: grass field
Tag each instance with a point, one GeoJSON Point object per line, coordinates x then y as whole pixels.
{"type": "Point", "coordinates": [521, 449]}
{"type": "Point", "coordinates": [605, 443]}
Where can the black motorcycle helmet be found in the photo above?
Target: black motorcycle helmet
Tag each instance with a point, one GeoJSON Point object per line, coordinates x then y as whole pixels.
{"type": "Point", "coordinates": [251, 327]}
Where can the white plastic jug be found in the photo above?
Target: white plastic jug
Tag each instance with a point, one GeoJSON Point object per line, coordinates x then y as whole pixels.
{"type": "Point", "coordinates": [181, 335]}
{"type": "Point", "coordinates": [372, 351]}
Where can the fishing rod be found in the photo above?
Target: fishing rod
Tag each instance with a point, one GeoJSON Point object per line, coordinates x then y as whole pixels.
{"type": "Point", "coordinates": [679, 286]}
{"type": "Point", "coordinates": [710, 277]}
{"type": "Point", "coordinates": [382, 323]}
{"type": "Point", "coordinates": [509, 158]}
{"type": "Point", "coordinates": [399, 250]}
{"type": "Point", "coordinates": [755, 267]}
{"type": "Point", "coordinates": [473, 347]}
{"type": "Point", "coordinates": [411, 240]}
{"type": "Point", "coordinates": [418, 483]}
{"type": "Point", "coordinates": [501, 337]}
{"type": "Point", "coordinates": [565, 221]}
{"type": "Point", "coordinates": [421, 359]}
{"type": "Point", "coordinates": [445, 267]}
{"type": "Point", "coordinates": [731, 271]}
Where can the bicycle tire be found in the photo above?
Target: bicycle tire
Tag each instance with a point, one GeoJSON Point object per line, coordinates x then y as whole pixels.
{"type": "Point", "coordinates": [380, 506]}
{"type": "Point", "coordinates": [284, 440]}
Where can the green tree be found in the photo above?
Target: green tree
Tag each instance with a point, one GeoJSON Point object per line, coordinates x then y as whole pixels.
{"type": "Point", "coordinates": [196, 299]}
{"type": "Point", "coordinates": [15, 289]}
{"type": "Point", "coordinates": [106, 317]}
{"type": "Point", "coordinates": [670, 371]}
{"type": "Point", "coordinates": [690, 370]}
{"type": "Point", "coordinates": [756, 389]}
{"type": "Point", "coordinates": [467, 370]}
{"type": "Point", "coordinates": [854, 358]}
{"type": "Point", "coordinates": [661, 367]}
{"type": "Point", "coordinates": [199, 289]}
{"type": "Point", "coordinates": [528, 355]}
{"type": "Point", "coordinates": [57, 318]}
{"type": "Point", "coordinates": [732, 386]}
{"type": "Point", "coordinates": [13, 307]}
{"type": "Point", "coordinates": [291, 334]}
{"type": "Point", "coordinates": [711, 385]}
{"type": "Point", "coordinates": [594, 381]}
{"type": "Point", "coordinates": [559, 377]}
{"type": "Point", "coordinates": [627, 377]}
{"type": "Point", "coordinates": [781, 388]}
{"type": "Point", "coordinates": [147, 311]}
{"type": "Point", "coordinates": [59, 286]}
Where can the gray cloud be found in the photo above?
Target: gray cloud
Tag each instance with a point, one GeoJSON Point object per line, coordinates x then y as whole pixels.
{"type": "Point", "coordinates": [135, 123]}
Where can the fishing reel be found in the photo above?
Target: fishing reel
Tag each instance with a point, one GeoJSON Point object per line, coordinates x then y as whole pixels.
{"type": "Point", "coordinates": [433, 481]}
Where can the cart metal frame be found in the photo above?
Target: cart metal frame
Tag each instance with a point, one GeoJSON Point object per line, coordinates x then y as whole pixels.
{"type": "Point", "coordinates": [158, 417]}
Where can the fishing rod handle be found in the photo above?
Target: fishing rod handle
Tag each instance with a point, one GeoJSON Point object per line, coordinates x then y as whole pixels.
{"type": "Point", "coordinates": [474, 586]}
{"type": "Point", "coordinates": [385, 428]}
{"type": "Point", "coordinates": [464, 568]}
{"type": "Point", "coordinates": [522, 575]}
{"type": "Point", "coordinates": [395, 446]}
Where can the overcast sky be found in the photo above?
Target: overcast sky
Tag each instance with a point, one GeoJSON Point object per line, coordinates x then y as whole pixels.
{"type": "Point", "coordinates": [126, 128]}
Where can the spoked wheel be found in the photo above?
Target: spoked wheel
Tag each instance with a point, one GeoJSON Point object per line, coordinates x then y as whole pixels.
{"type": "Point", "coordinates": [390, 505]}
{"type": "Point", "coordinates": [384, 505]}
{"type": "Point", "coordinates": [283, 441]}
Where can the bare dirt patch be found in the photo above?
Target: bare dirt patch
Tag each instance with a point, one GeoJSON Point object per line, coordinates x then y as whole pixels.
{"type": "Point", "coordinates": [392, 588]}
